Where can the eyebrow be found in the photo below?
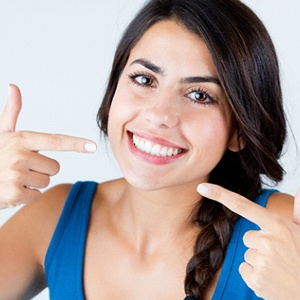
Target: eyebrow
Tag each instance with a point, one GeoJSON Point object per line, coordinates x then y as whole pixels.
{"type": "Point", "coordinates": [194, 79]}
{"type": "Point", "coordinates": [197, 79]}
{"type": "Point", "coordinates": [149, 65]}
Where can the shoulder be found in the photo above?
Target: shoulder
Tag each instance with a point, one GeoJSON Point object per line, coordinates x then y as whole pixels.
{"type": "Point", "coordinates": [282, 204]}
{"type": "Point", "coordinates": [49, 206]}
{"type": "Point", "coordinates": [34, 224]}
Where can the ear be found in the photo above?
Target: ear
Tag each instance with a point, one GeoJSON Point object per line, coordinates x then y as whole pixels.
{"type": "Point", "coordinates": [236, 142]}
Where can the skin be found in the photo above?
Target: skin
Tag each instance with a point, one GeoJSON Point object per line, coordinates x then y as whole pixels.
{"type": "Point", "coordinates": [140, 227]}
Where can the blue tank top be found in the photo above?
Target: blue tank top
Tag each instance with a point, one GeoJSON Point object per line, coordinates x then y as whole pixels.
{"type": "Point", "coordinates": [65, 256]}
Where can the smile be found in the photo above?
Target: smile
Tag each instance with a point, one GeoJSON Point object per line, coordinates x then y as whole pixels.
{"type": "Point", "coordinates": [154, 149]}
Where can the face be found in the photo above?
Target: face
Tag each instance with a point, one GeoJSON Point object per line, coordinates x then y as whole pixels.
{"type": "Point", "coordinates": [169, 121]}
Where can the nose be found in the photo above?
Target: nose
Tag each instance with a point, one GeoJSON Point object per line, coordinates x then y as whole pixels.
{"type": "Point", "coordinates": [163, 112]}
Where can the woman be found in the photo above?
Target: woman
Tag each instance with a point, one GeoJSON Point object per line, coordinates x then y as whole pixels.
{"type": "Point", "coordinates": [207, 110]}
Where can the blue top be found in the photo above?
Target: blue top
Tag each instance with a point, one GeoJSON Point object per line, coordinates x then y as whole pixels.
{"type": "Point", "coordinates": [65, 256]}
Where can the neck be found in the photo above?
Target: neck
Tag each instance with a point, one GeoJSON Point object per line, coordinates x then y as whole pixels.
{"type": "Point", "coordinates": [153, 219]}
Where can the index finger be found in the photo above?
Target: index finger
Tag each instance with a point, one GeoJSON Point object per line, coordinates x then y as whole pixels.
{"type": "Point", "coordinates": [238, 204]}
{"type": "Point", "coordinates": [35, 141]}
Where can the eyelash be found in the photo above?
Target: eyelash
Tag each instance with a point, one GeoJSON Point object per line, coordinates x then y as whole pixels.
{"type": "Point", "coordinates": [207, 94]}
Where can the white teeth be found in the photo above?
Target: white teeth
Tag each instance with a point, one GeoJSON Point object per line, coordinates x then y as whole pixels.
{"type": "Point", "coordinates": [154, 149]}
{"type": "Point", "coordinates": [170, 152]}
{"type": "Point", "coordinates": [163, 151]}
{"type": "Point", "coordinates": [147, 147]}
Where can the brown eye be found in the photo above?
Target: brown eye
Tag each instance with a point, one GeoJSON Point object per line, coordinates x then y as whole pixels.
{"type": "Point", "coordinates": [144, 80]}
{"type": "Point", "coordinates": [198, 96]}
{"type": "Point", "coordinates": [201, 97]}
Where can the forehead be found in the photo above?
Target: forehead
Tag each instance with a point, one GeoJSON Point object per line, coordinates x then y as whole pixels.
{"type": "Point", "coordinates": [168, 43]}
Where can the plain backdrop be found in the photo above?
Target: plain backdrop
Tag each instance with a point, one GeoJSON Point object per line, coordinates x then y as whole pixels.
{"type": "Point", "coordinates": [59, 52]}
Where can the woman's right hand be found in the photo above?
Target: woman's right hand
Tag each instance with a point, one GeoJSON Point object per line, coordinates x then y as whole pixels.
{"type": "Point", "coordinates": [23, 170]}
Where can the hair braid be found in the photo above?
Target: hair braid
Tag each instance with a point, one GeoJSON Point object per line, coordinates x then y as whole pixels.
{"type": "Point", "coordinates": [216, 223]}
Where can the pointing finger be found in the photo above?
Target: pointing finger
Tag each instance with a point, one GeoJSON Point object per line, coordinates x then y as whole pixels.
{"type": "Point", "coordinates": [238, 204]}
{"type": "Point", "coordinates": [11, 111]}
{"type": "Point", "coordinates": [35, 141]}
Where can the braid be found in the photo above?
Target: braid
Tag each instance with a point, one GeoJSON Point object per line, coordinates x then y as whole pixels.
{"type": "Point", "coordinates": [210, 247]}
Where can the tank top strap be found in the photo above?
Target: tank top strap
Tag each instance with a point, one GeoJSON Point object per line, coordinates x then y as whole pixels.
{"type": "Point", "coordinates": [65, 256]}
{"type": "Point", "coordinates": [262, 199]}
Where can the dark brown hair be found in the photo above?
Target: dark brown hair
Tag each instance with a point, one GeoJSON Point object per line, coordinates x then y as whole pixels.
{"type": "Point", "coordinates": [246, 63]}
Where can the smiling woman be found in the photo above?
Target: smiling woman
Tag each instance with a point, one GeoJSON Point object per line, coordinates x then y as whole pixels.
{"type": "Point", "coordinates": [192, 109]}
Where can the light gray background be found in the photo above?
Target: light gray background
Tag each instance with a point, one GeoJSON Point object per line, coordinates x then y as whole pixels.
{"type": "Point", "coordinates": [59, 52]}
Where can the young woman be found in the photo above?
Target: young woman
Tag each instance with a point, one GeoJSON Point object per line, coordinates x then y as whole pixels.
{"type": "Point", "coordinates": [193, 97]}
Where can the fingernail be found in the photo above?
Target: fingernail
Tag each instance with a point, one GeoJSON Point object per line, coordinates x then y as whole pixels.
{"type": "Point", "coordinates": [9, 87]}
{"type": "Point", "coordinates": [90, 147]}
{"type": "Point", "coordinates": [203, 189]}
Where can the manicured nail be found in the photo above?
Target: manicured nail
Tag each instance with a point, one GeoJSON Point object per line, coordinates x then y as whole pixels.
{"type": "Point", "coordinates": [90, 147]}
{"type": "Point", "coordinates": [203, 189]}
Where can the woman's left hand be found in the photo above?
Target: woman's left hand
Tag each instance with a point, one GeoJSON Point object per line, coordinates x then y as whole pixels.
{"type": "Point", "coordinates": [272, 261]}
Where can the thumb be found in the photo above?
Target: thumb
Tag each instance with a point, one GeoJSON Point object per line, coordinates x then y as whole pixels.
{"type": "Point", "coordinates": [9, 117]}
{"type": "Point", "coordinates": [296, 217]}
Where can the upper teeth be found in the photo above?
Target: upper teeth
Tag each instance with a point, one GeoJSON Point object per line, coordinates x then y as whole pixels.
{"type": "Point", "coordinates": [154, 149]}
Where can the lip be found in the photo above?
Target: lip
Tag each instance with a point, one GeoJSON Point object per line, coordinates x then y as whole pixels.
{"type": "Point", "coordinates": [152, 159]}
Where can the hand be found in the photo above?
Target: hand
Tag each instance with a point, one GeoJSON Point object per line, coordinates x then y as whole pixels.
{"type": "Point", "coordinates": [272, 262]}
{"type": "Point", "coordinates": [22, 169]}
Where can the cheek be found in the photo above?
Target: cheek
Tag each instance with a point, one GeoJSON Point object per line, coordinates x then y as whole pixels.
{"type": "Point", "coordinates": [117, 106]}
{"type": "Point", "coordinates": [210, 131]}
{"type": "Point", "coordinates": [122, 110]}
{"type": "Point", "coordinates": [115, 120]}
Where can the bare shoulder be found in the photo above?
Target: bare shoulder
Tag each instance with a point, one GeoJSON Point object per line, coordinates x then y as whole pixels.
{"type": "Point", "coordinates": [282, 204]}
{"type": "Point", "coordinates": [53, 200]}
{"type": "Point", "coordinates": [49, 206]}
{"type": "Point", "coordinates": [34, 224]}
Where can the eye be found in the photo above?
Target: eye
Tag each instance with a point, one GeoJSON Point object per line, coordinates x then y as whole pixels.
{"type": "Point", "coordinates": [143, 80]}
{"type": "Point", "coordinates": [200, 96]}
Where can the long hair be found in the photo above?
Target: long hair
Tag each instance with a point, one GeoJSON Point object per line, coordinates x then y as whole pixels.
{"type": "Point", "coordinates": [247, 67]}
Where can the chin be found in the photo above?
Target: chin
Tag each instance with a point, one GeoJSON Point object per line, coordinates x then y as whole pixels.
{"type": "Point", "coordinates": [146, 184]}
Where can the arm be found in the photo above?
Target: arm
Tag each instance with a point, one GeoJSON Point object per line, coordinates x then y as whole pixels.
{"type": "Point", "coordinates": [24, 241]}
{"type": "Point", "coordinates": [23, 171]}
